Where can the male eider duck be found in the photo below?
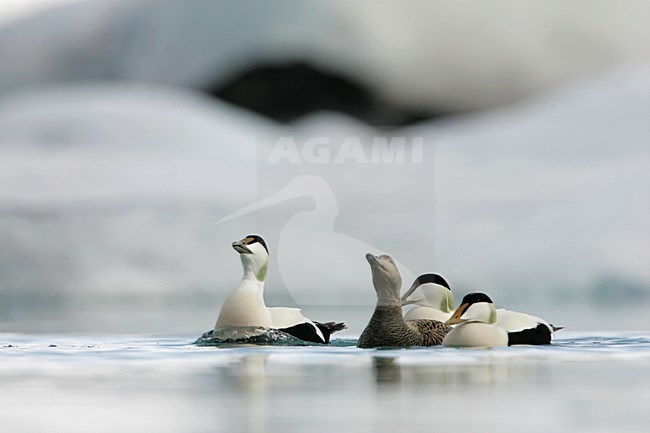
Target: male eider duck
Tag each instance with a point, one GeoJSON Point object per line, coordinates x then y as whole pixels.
{"type": "Point", "coordinates": [433, 299]}
{"type": "Point", "coordinates": [387, 327]}
{"type": "Point", "coordinates": [475, 322]}
{"type": "Point", "coordinates": [245, 307]}
{"type": "Point", "coordinates": [525, 328]}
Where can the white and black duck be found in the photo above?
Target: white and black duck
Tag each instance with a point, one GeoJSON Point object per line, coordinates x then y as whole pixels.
{"type": "Point", "coordinates": [245, 307]}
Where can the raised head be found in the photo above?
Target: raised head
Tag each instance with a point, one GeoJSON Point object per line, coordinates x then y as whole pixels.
{"type": "Point", "coordinates": [475, 307]}
{"type": "Point", "coordinates": [254, 256]}
{"type": "Point", "coordinates": [385, 278]}
{"type": "Point", "coordinates": [430, 290]}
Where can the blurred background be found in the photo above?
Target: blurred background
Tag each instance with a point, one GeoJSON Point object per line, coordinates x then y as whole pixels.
{"type": "Point", "coordinates": [129, 128]}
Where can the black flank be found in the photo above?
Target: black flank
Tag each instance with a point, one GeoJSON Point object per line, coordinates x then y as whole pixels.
{"type": "Point", "coordinates": [538, 335]}
{"type": "Point", "coordinates": [329, 328]}
{"type": "Point", "coordinates": [305, 332]}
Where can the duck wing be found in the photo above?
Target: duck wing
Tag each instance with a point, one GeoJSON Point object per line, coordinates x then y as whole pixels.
{"type": "Point", "coordinates": [291, 321]}
{"type": "Point", "coordinates": [328, 328]}
{"type": "Point", "coordinates": [523, 328]}
{"type": "Point", "coordinates": [308, 331]}
{"type": "Point", "coordinates": [432, 332]}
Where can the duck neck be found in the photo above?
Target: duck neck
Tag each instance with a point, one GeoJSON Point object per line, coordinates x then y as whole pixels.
{"type": "Point", "coordinates": [387, 317]}
{"type": "Point", "coordinates": [387, 300]}
{"type": "Point", "coordinates": [254, 268]}
{"type": "Point", "coordinates": [250, 281]}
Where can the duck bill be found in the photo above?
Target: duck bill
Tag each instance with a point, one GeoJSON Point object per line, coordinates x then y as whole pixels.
{"type": "Point", "coordinates": [456, 317]}
{"type": "Point", "coordinates": [409, 292]}
{"type": "Point", "coordinates": [241, 248]}
{"type": "Point", "coordinates": [372, 259]}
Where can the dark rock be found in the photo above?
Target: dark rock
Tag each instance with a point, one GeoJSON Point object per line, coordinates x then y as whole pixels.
{"type": "Point", "coordinates": [287, 91]}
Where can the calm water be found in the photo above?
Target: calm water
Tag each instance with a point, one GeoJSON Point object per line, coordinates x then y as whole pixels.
{"type": "Point", "coordinates": [83, 383]}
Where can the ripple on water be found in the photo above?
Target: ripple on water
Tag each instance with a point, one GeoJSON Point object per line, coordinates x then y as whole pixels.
{"type": "Point", "coordinates": [50, 349]}
{"type": "Point", "coordinates": [576, 384]}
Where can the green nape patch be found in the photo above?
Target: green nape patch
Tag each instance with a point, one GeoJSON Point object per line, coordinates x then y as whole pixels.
{"type": "Point", "coordinates": [447, 303]}
{"type": "Point", "coordinates": [493, 316]}
{"type": "Point", "coordinates": [261, 275]}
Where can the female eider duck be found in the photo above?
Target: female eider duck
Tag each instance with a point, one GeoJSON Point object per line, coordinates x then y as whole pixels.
{"type": "Point", "coordinates": [245, 307]}
{"type": "Point", "coordinates": [433, 299]}
{"type": "Point", "coordinates": [387, 327]}
{"type": "Point", "coordinates": [475, 322]}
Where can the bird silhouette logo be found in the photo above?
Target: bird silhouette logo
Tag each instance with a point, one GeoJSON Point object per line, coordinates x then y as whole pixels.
{"type": "Point", "coordinates": [316, 263]}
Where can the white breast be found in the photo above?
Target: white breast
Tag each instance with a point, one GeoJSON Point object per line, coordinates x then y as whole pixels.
{"type": "Point", "coordinates": [476, 334]}
{"type": "Point", "coordinates": [244, 307]}
{"type": "Point", "coordinates": [426, 313]}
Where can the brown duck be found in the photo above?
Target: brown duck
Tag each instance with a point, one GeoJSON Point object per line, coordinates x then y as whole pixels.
{"type": "Point", "coordinates": [387, 327]}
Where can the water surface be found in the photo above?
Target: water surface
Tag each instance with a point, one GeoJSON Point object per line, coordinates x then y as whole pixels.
{"type": "Point", "coordinates": [80, 383]}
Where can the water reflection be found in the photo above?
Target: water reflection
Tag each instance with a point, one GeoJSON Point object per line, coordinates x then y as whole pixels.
{"type": "Point", "coordinates": [246, 388]}
{"type": "Point", "coordinates": [175, 387]}
{"type": "Point", "coordinates": [390, 371]}
{"type": "Point", "coordinates": [387, 370]}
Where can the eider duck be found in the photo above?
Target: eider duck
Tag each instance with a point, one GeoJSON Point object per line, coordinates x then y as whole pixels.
{"type": "Point", "coordinates": [475, 322]}
{"type": "Point", "coordinates": [245, 307]}
{"type": "Point", "coordinates": [387, 327]}
{"type": "Point", "coordinates": [433, 299]}
{"type": "Point", "coordinates": [525, 328]}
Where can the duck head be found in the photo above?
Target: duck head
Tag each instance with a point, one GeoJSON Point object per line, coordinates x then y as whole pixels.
{"type": "Point", "coordinates": [254, 256]}
{"type": "Point", "coordinates": [385, 278]}
{"type": "Point", "coordinates": [475, 307]}
{"type": "Point", "coordinates": [430, 290]}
